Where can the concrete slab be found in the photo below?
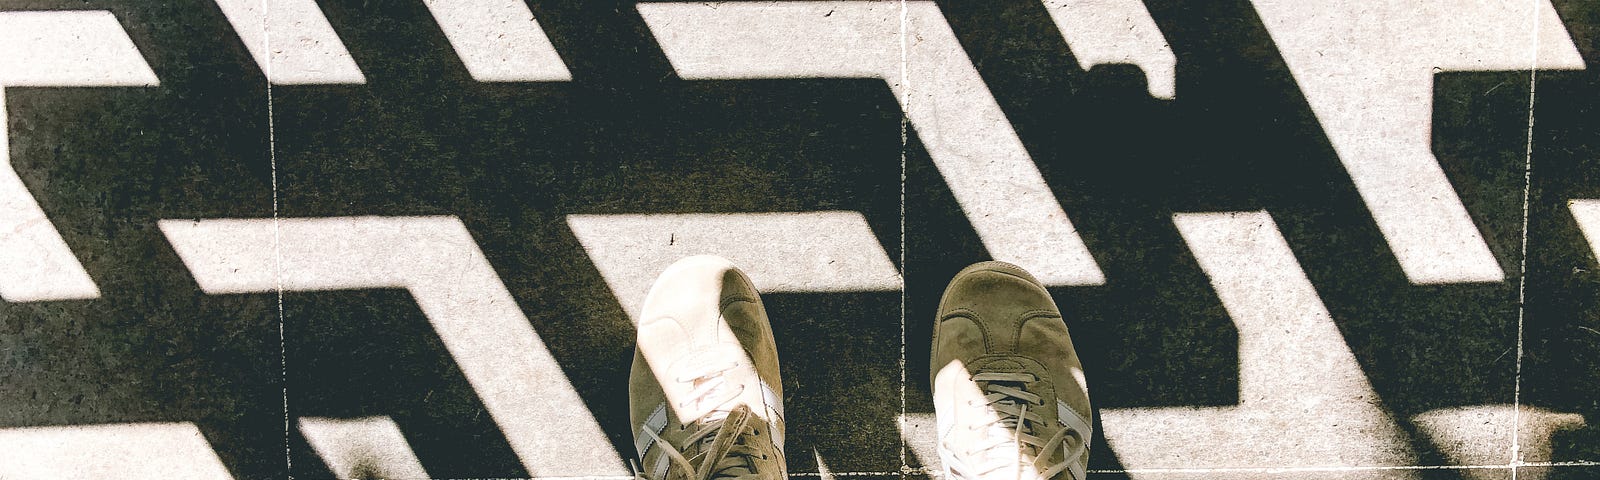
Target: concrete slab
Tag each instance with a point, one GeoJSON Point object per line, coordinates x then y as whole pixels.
{"type": "Point", "coordinates": [624, 134]}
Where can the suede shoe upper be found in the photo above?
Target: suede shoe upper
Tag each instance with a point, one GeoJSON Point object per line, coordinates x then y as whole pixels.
{"type": "Point", "coordinates": [705, 396]}
{"type": "Point", "coordinates": [1009, 391]}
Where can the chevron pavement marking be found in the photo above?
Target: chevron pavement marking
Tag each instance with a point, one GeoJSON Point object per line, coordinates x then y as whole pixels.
{"type": "Point", "coordinates": [362, 447]}
{"type": "Point", "coordinates": [52, 49]}
{"type": "Point", "coordinates": [1372, 90]}
{"type": "Point", "coordinates": [1303, 398]}
{"type": "Point", "coordinates": [292, 41]}
{"type": "Point", "coordinates": [956, 100]}
{"type": "Point", "coordinates": [1481, 434]}
{"type": "Point", "coordinates": [499, 40]}
{"type": "Point", "coordinates": [1587, 213]}
{"type": "Point", "coordinates": [781, 252]}
{"type": "Point", "coordinates": [92, 452]}
{"type": "Point", "coordinates": [966, 134]}
{"type": "Point", "coordinates": [438, 262]}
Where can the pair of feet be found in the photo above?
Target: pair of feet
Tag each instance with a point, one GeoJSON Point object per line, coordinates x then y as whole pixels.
{"type": "Point", "coordinates": [707, 402]}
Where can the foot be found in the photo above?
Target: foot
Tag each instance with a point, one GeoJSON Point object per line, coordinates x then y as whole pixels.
{"type": "Point", "coordinates": [705, 395]}
{"type": "Point", "coordinates": [1008, 390]}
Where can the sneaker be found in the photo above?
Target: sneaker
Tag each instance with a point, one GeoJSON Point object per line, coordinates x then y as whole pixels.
{"type": "Point", "coordinates": [1008, 390]}
{"type": "Point", "coordinates": [705, 395]}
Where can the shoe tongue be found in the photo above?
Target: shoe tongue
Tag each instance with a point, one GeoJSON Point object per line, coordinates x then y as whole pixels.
{"type": "Point", "coordinates": [704, 359]}
{"type": "Point", "coordinates": [1008, 366]}
{"type": "Point", "coordinates": [730, 465]}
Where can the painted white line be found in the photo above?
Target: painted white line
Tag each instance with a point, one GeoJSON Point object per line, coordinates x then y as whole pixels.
{"type": "Point", "coordinates": [1366, 69]}
{"type": "Point", "coordinates": [293, 43]}
{"type": "Point", "coordinates": [781, 252]}
{"type": "Point", "coordinates": [967, 135]}
{"type": "Point", "coordinates": [1587, 213]}
{"type": "Point", "coordinates": [437, 261]}
{"type": "Point", "coordinates": [52, 49]}
{"type": "Point", "coordinates": [35, 263]}
{"type": "Point", "coordinates": [1478, 435]}
{"type": "Point", "coordinates": [499, 41]}
{"type": "Point", "coordinates": [920, 431]}
{"type": "Point", "coordinates": [69, 49]}
{"type": "Point", "coordinates": [1101, 32]}
{"type": "Point", "coordinates": [362, 447]}
{"type": "Point", "coordinates": [1303, 399]}
{"type": "Point", "coordinates": [112, 451]}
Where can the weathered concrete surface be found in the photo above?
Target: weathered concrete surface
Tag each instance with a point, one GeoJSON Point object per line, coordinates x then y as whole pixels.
{"type": "Point", "coordinates": [433, 133]}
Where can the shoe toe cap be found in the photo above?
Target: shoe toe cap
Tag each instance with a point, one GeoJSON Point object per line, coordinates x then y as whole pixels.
{"type": "Point", "coordinates": [995, 292]}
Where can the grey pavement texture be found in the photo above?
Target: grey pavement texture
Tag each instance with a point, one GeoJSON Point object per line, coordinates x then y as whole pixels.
{"type": "Point", "coordinates": [628, 135]}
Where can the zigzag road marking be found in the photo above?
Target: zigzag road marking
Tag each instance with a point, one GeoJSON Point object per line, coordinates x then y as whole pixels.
{"type": "Point", "coordinates": [436, 259]}
{"type": "Point", "coordinates": [293, 42]}
{"type": "Point", "coordinates": [782, 252]}
{"type": "Point", "coordinates": [52, 49]}
{"type": "Point", "coordinates": [370, 447]}
{"type": "Point", "coordinates": [966, 134]}
{"type": "Point", "coordinates": [499, 41]}
{"type": "Point", "coordinates": [1367, 69]}
{"type": "Point", "coordinates": [1103, 32]}
{"type": "Point", "coordinates": [91, 452]}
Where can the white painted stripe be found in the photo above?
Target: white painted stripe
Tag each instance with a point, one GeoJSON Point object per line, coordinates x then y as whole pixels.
{"type": "Point", "coordinates": [1101, 32]}
{"type": "Point", "coordinates": [69, 49]}
{"type": "Point", "coordinates": [293, 42]}
{"type": "Point", "coordinates": [823, 472]}
{"type": "Point", "coordinates": [1367, 68]}
{"type": "Point", "coordinates": [653, 423]}
{"type": "Point", "coordinates": [437, 261]}
{"type": "Point", "coordinates": [499, 41]}
{"type": "Point", "coordinates": [370, 447]}
{"type": "Point", "coordinates": [966, 134]}
{"type": "Point", "coordinates": [781, 252]}
{"type": "Point", "coordinates": [1587, 213]}
{"type": "Point", "coordinates": [1303, 399]}
{"type": "Point", "coordinates": [114, 451]}
{"type": "Point", "coordinates": [52, 49]}
{"type": "Point", "coordinates": [1478, 435]}
{"type": "Point", "coordinates": [921, 432]}
{"type": "Point", "coordinates": [35, 263]}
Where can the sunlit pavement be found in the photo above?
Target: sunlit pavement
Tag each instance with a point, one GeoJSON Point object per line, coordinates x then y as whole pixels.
{"type": "Point", "coordinates": [407, 238]}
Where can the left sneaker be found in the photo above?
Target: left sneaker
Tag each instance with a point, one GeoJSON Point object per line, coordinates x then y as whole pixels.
{"type": "Point", "coordinates": [705, 395]}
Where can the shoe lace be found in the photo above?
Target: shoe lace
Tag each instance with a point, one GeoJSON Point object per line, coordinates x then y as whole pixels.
{"type": "Point", "coordinates": [1013, 431]}
{"type": "Point", "coordinates": [719, 447]}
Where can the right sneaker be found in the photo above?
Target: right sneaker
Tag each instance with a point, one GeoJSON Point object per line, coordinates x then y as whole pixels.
{"type": "Point", "coordinates": [1008, 390]}
{"type": "Point", "coordinates": [705, 395]}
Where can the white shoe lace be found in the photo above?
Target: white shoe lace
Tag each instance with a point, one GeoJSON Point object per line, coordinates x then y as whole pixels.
{"type": "Point", "coordinates": [719, 448]}
{"type": "Point", "coordinates": [1013, 431]}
